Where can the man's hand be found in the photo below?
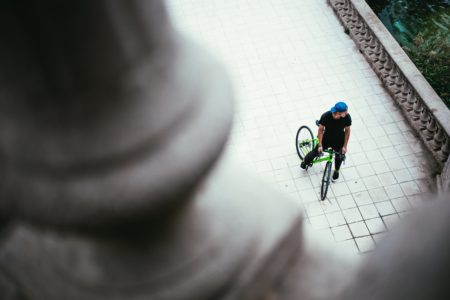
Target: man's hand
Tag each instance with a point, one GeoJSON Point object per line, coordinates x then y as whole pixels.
{"type": "Point", "coordinates": [320, 149]}
{"type": "Point", "coordinates": [344, 149]}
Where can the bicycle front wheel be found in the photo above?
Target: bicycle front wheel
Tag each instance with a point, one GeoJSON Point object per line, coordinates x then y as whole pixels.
{"type": "Point", "coordinates": [325, 180]}
{"type": "Point", "coordinates": [304, 141]}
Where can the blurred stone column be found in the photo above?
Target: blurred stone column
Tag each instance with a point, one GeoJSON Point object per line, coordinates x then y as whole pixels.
{"type": "Point", "coordinates": [111, 130]}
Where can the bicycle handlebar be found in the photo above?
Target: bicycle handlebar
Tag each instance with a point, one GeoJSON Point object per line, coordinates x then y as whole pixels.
{"type": "Point", "coordinates": [331, 152]}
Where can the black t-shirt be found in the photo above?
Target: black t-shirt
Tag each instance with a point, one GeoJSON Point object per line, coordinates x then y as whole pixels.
{"type": "Point", "coordinates": [334, 129]}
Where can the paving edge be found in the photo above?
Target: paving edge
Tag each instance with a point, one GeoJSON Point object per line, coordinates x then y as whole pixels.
{"type": "Point", "coordinates": [422, 107]}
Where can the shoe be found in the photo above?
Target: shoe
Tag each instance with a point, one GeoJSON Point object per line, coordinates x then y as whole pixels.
{"type": "Point", "coordinates": [303, 165]}
{"type": "Point", "coordinates": [335, 174]}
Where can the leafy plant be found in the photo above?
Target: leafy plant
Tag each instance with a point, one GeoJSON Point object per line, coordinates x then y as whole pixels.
{"type": "Point", "coordinates": [422, 29]}
{"type": "Point", "coordinates": [431, 55]}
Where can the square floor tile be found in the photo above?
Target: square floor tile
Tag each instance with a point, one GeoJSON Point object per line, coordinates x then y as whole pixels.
{"type": "Point", "coordinates": [374, 155]}
{"type": "Point", "coordinates": [365, 243]}
{"type": "Point", "coordinates": [358, 229]}
{"type": "Point", "coordinates": [390, 221]}
{"type": "Point", "coordinates": [387, 178]}
{"type": "Point", "coordinates": [385, 208]}
{"type": "Point", "coordinates": [375, 225]}
{"type": "Point", "coordinates": [330, 205]}
{"type": "Point", "coordinates": [377, 132]}
{"type": "Point", "coordinates": [348, 246]}
{"type": "Point", "coordinates": [413, 160]}
{"type": "Point", "coordinates": [352, 215]}
{"type": "Point", "coordinates": [410, 188]}
{"type": "Point", "coordinates": [314, 209]}
{"type": "Point", "coordinates": [319, 222]}
{"type": "Point", "coordinates": [340, 188]}
{"type": "Point", "coordinates": [335, 219]}
{"type": "Point", "coordinates": [383, 142]}
{"type": "Point", "coordinates": [362, 198]}
{"type": "Point", "coordinates": [296, 172]}
{"type": "Point", "coordinates": [282, 174]}
{"type": "Point", "coordinates": [391, 128]}
{"type": "Point", "coordinates": [325, 235]}
{"type": "Point", "coordinates": [372, 182]}
{"type": "Point", "coordinates": [404, 149]}
{"type": "Point", "coordinates": [316, 180]}
{"type": "Point", "coordinates": [359, 159]}
{"type": "Point", "coordinates": [263, 166]}
{"type": "Point", "coordinates": [346, 202]}
{"type": "Point", "coordinates": [268, 177]}
{"type": "Point", "coordinates": [287, 186]}
{"type": "Point", "coordinates": [418, 173]}
{"type": "Point", "coordinates": [356, 186]}
{"type": "Point", "coordinates": [368, 144]}
{"type": "Point", "coordinates": [426, 186]}
{"type": "Point", "coordinates": [402, 175]}
{"type": "Point", "coordinates": [380, 167]}
{"type": "Point", "coordinates": [378, 195]}
{"type": "Point", "coordinates": [401, 204]}
{"type": "Point", "coordinates": [365, 170]}
{"type": "Point", "coordinates": [349, 173]}
{"type": "Point", "coordinates": [389, 153]}
{"type": "Point", "coordinates": [293, 160]}
{"type": "Point", "coordinates": [278, 163]}
{"type": "Point", "coordinates": [309, 196]}
{"type": "Point", "coordinates": [341, 233]}
{"type": "Point", "coordinates": [394, 191]}
{"type": "Point", "coordinates": [355, 147]}
{"type": "Point", "coordinates": [396, 164]}
{"type": "Point", "coordinates": [368, 211]}
{"type": "Point", "coordinates": [303, 183]}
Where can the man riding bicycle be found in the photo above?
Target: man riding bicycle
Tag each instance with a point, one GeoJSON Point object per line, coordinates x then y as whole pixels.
{"type": "Point", "coordinates": [334, 132]}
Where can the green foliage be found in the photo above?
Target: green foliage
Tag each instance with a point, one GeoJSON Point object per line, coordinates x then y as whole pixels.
{"type": "Point", "coordinates": [431, 55]}
{"type": "Point", "coordinates": [422, 29]}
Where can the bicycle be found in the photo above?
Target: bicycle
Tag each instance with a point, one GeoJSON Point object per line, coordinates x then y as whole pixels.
{"type": "Point", "coordinates": [306, 142]}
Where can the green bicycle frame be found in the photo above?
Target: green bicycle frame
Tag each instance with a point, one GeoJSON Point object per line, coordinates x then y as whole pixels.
{"type": "Point", "coordinates": [328, 157]}
{"type": "Point", "coordinates": [319, 159]}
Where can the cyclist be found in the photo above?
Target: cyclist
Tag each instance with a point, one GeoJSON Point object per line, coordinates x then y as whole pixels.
{"type": "Point", "coordinates": [334, 132]}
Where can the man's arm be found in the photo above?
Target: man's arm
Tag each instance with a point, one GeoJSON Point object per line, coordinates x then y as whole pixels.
{"type": "Point", "coordinates": [346, 138]}
{"type": "Point", "coordinates": [320, 136]}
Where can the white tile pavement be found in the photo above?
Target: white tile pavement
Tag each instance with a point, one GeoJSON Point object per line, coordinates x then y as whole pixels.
{"type": "Point", "coordinates": [289, 62]}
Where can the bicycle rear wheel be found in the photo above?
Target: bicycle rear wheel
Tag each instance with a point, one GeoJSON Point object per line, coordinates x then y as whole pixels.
{"type": "Point", "coordinates": [304, 141]}
{"type": "Point", "coordinates": [325, 180]}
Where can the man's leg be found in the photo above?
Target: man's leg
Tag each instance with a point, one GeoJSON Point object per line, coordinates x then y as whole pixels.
{"type": "Point", "coordinates": [309, 157]}
{"type": "Point", "coordinates": [337, 162]}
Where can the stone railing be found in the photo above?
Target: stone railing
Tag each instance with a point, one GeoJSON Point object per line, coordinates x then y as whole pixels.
{"type": "Point", "coordinates": [422, 107]}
